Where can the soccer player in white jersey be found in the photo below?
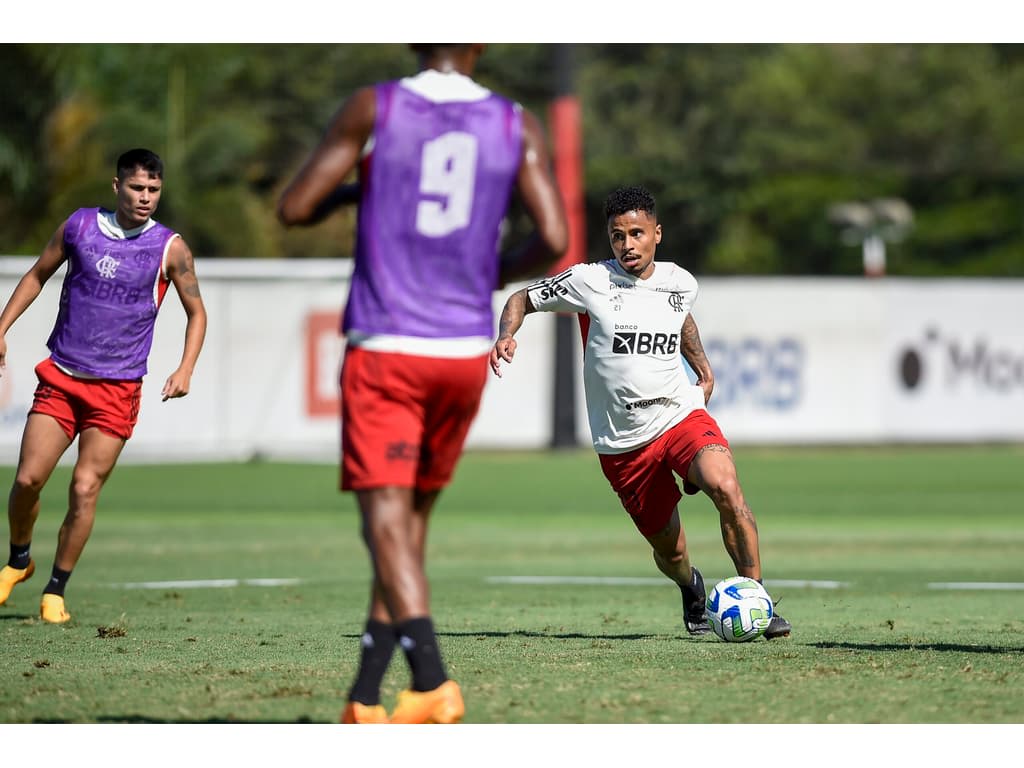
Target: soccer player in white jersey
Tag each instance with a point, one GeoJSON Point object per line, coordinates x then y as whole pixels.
{"type": "Point", "coordinates": [646, 420]}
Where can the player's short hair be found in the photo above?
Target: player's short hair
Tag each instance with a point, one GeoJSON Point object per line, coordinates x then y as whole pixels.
{"type": "Point", "coordinates": [426, 49]}
{"type": "Point", "coordinates": [635, 198]}
{"type": "Point", "coordinates": [140, 158]}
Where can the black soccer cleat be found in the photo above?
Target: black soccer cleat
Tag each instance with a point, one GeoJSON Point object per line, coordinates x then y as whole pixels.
{"type": "Point", "coordinates": [778, 627]}
{"type": "Point", "coordinates": [697, 628]}
{"type": "Point", "coordinates": [695, 618]}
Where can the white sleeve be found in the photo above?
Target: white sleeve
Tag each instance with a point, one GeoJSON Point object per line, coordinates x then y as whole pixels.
{"type": "Point", "coordinates": [563, 292]}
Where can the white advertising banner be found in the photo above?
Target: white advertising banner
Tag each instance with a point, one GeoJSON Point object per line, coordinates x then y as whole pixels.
{"type": "Point", "coordinates": [954, 358]}
{"type": "Point", "coordinates": [855, 360]}
{"type": "Point", "coordinates": [797, 361]}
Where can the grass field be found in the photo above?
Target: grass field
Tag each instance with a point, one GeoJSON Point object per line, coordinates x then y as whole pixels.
{"type": "Point", "coordinates": [885, 641]}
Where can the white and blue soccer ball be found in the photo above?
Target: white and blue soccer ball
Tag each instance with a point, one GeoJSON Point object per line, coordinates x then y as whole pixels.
{"type": "Point", "coordinates": [739, 610]}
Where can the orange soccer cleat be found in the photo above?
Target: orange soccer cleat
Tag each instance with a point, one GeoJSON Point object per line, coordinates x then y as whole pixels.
{"type": "Point", "coordinates": [52, 609]}
{"type": "Point", "coordinates": [356, 713]}
{"type": "Point", "coordinates": [442, 705]}
{"type": "Point", "coordinates": [11, 576]}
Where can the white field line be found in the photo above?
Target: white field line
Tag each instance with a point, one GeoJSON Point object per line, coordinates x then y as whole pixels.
{"type": "Point", "coordinates": [647, 581]}
{"type": "Point", "coordinates": [208, 583]}
{"type": "Point", "coordinates": [811, 583]}
{"type": "Point", "coordinates": [579, 580]}
{"type": "Point", "coordinates": [588, 580]}
{"type": "Point", "coordinates": [976, 585]}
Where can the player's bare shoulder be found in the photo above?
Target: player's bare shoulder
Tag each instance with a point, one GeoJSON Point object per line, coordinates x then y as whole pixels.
{"type": "Point", "coordinates": [181, 268]}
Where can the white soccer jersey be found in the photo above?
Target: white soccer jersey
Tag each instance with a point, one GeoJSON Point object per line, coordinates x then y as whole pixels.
{"type": "Point", "coordinates": [633, 370]}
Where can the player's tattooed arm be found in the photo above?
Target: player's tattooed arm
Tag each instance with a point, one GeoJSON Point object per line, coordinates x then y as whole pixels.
{"type": "Point", "coordinates": [516, 309]}
{"type": "Point", "coordinates": [181, 272]}
{"type": "Point", "coordinates": [182, 268]}
{"type": "Point", "coordinates": [693, 353]}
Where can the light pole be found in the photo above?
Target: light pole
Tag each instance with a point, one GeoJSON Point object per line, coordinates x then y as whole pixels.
{"type": "Point", "coordinates": [872, 224]}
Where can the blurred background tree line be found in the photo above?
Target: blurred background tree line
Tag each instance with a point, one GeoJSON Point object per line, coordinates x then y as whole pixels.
{"type": "Point", "coordinates": [746, 147]}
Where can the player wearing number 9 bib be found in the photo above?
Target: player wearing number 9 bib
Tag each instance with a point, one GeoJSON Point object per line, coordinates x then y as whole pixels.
{"type": "Point", "coordinates": [439, 158]}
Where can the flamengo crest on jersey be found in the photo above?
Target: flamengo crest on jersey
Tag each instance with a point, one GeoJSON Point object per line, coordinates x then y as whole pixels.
{"type": "Point", "coordinates": [634, 374]}
{"type": "Point", "coordinates": [110, 297]}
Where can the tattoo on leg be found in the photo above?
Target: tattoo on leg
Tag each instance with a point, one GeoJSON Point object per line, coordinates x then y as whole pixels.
{"type": "Point", "coordinates": [747, 544]}
{"type": "Point", "coordinates": [717, 447]}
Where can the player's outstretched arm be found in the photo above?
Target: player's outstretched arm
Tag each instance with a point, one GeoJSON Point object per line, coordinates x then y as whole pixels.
{"type": "Point", "coordinates": [30, 285]}
{"type": "Point", "coordinates": [182, 273]}
{"type": "Point", "coordinates": [538, 191]}
{"type": "Point", "coordinates": [320, 186]}
{"type": "Point", "coordinates": [693, 353]}
{"type": "Point", "coordinates": [516, 309]}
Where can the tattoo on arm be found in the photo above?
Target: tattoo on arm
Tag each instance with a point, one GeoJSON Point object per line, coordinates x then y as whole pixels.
{"type": "Point", "coordinates": [516, 309]}
{"type": "Point", "coordinates": [693, 350]}
{"type": "Point", "coordinates": [183, 268]}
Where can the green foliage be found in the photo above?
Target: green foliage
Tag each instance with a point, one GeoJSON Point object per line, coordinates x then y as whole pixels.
{"type": "Point", "coordinates": [883, 648]}
{"type": "Point", "coordinates": [745, 146]}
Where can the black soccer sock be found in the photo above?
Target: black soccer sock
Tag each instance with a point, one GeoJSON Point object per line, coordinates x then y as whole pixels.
{"type": "Point", "coordinates": [20, 556]}
{"type": "Point", "coordinates": [378, 644]}
{"type": "Point", "coordinates": [690, 591]}
{"type": "Point", "coordinates": [58, 581]}
{"type": "Point", "coordinates": [422, 652]}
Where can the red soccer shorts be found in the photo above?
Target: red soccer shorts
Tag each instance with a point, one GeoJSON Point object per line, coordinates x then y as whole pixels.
{"type": "Point", "coordinates": [109, 405]}
{"type": "Point", "coordinates": [643, 477]}
{"type": "Point", "coordinates": [404, 418]}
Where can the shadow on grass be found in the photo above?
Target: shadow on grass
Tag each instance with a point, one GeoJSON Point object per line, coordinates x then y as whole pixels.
{"type": "Point", "coordinates": [16, 616]}
{"type": "Point", "coordinates": [554, 635]}
{"type": "Point", "coordinates": [125, 719]}
{"type": "Point", "coordinates": [551, 635]}
{"type": "Point", "coordinates": [944, 647]}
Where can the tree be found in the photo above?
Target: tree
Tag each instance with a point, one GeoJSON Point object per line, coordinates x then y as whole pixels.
{"type": "Point", "coordinates": [746, 147]}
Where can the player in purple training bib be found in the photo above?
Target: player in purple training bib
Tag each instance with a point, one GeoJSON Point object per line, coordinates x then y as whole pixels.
{"type": "Point", "coordinates": [440, 157]}
{"type": "Point", "coordinates": [119, 266]}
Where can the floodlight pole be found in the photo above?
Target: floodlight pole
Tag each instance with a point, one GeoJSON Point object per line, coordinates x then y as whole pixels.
{"type": "Point", "coordinates": [872, 224]}
{"type": "Point", "coordinates": [873, 250]}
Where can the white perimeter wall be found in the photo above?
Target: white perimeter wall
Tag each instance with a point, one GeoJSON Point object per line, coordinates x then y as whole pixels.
{"type": "Point", "coordinates": [797, 361]}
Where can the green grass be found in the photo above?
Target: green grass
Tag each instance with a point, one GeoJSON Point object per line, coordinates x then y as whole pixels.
{"type": "Point", "coordinates": [885, 648]}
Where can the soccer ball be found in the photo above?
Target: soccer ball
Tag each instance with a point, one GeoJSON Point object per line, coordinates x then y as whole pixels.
{"type": "Point", "coordinates": [739, 609]}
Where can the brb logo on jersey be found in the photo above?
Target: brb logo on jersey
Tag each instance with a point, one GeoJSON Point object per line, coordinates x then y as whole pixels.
{"type": "Point", "coordinates": [643, 343]}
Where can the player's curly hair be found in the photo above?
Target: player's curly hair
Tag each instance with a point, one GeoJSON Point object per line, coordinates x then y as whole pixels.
{"type": "Point", "coordinates": [635, 198]}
